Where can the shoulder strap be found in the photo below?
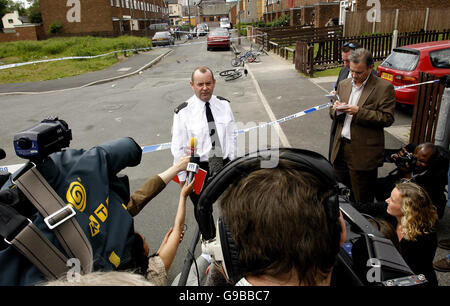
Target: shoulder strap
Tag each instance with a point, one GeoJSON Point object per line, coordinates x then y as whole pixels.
{"type": "Point", "coordinates": [180, 107]}
{"type": "Point", "coordinates": [222, 98]}
{"type": "Point", "coordinates": [26, 238]}
{"type": "Point", "coordinates": [57, 215]}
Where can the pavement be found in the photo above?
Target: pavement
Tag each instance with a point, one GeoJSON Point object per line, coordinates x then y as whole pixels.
{"type": "Point", "coordinates": [396, 135]}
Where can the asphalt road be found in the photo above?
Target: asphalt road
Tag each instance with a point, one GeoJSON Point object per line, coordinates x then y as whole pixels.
{"type": "Point", "coordinates": [141, 106]}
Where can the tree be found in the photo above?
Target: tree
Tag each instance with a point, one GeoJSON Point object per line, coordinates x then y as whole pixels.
{"type": "Point", "coordinates": [34, 11]}
{"type": "Point", "coordinates": [3, 10]}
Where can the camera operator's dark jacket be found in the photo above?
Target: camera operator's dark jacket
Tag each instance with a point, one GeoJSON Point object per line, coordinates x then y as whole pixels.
{"type": "Point", "coordinates": [433, 180]}
{"type": "Point", "coordinates": [88, 180]}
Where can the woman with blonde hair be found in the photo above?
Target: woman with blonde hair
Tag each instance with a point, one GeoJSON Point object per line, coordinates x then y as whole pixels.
{"type": "Point", "coordinates": [416, 216]}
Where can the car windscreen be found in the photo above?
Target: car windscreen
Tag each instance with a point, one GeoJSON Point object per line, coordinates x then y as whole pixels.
{"type": "Point", "coordinates": [161, 35]}
{"type": "Point", "coordinates": [401, 60]}
{"type": "Point", "coordinates": [219, 33]}
{"type": "Point", "coordinates": [440, 58]}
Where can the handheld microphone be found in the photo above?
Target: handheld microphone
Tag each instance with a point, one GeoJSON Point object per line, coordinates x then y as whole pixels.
{"type": "Point", "coordinates": [192, 167]}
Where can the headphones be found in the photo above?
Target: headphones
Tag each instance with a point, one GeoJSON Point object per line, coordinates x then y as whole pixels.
{"type": "Point", "coordinates": [222, 246]}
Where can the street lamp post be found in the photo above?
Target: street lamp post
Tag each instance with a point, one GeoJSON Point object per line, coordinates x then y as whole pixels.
{"type": "Point", "coordinates": [239, 21]}
{"type": "Point", "coordinates": [189, 16]}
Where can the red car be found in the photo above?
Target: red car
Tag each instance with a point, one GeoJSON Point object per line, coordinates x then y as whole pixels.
{"type": "Point", "coordinates": [218, 38]}
{"type": "Point", "coordinates": [403, 65]}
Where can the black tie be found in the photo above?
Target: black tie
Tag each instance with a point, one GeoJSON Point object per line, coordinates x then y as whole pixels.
{"type": "Point", "coordinates": [213, 133]}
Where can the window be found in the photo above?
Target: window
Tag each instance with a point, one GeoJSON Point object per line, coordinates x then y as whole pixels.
{"type": "Point", "coordinates": [112, 2]}
{"type": "Point", "coordinates": [401, 60]}
{"type": "Point", "coordinates": [118, 3]}
{"type": "Point", "coordinates": [440, 58]}
{"type": "Point", "coordinates": [10, 21]}
{"type": "Point", "coordinates": [127, 3]}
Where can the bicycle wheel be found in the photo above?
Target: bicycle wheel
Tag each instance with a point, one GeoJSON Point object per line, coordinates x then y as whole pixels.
{"type": "Point", "coordinates": [227, 72]}
{"type": "Point", "coordinates": [235, 62]}
{"type": "Point", "coordinates": [234, 76]}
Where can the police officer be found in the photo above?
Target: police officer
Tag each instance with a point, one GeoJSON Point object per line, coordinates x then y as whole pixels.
{"type": "Point", "coordinates": [210, 120]}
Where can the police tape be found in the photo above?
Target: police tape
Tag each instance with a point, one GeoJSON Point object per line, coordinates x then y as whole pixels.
{"type": "Point", "coordinates": [167, 145]}
{"type": "Point", "coordinates": [14, 65]}
{"type": "Point", "coordinates": [416, 84]}
{"type": "Point", "coordinates": [69, 58]}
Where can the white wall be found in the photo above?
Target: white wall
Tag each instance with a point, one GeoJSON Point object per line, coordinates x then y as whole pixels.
{"type": "Point", "coordinates": [11, 16]}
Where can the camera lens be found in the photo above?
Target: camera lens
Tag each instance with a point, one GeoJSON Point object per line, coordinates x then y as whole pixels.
{"type": "Point", "coordinates": [24, 143]}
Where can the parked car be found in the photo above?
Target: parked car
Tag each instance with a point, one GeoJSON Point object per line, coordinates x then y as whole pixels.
{"type": "Point", "coordinates": [218, 38]}
{"type": "Point", "coordinates": [163, 39]}
{"type": "Point", "coordinates": [202, 29]}
{"type": "Point", "coordinates": [403, 65]}
{"type": "Point", "coordinates": [225, 23]}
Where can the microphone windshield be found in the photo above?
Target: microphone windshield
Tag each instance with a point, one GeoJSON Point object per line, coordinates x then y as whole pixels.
{"type": "Point", "coordinates": [193, 142]}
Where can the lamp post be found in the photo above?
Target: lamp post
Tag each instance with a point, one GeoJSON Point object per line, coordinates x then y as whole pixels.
{"type": "Point", "coordinates": [189, 16]}
{"type": "Point", "coordinates": [239, 22]}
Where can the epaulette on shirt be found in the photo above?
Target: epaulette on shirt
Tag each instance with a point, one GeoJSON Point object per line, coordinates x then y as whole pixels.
{"type": "Point", "coordinates": [180, 107]}
{"type": "Point", "coordinates": [222, 98]}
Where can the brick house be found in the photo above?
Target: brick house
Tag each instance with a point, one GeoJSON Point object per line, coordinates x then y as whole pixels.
{"type": "Point", "coordinates": [104, 17]}
{"type": "Point", "coordinates": [210, 11]}
{"type": "Point", "coordinates": [302, 12]}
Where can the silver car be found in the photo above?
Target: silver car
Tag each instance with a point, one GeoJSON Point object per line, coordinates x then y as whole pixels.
{"type": "Point", "coordinates": [163, 39]}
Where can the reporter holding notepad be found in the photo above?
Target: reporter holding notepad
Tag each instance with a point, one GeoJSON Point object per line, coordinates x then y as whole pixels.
{"type": "Point", "coordinates": [366, 106]}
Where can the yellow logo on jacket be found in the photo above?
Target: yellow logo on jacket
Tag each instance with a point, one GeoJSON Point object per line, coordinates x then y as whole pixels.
{"type": "Point", "coordinates": [76, 195]}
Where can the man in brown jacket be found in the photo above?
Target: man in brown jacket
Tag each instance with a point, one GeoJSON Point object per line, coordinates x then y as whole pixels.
{"type": "Point", "coordinates": [364, 107]}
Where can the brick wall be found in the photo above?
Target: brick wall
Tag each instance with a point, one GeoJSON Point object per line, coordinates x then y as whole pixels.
{"type": "Point", "coordinates": [33, 32]}
{"type": "Point", "coordinates": [325, 11]}
{"type": "Point", "coordinates": [307, 15]}
{"type": "Point", "coordinates": [94, 15]}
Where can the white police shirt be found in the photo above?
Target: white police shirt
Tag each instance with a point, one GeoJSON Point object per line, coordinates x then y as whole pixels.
{"type": "Point", "coordinates": [190, 121]}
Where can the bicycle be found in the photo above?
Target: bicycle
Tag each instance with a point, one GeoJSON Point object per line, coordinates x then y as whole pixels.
{"type": "Point", "coordinates": [250, 56]}
{"type": "Point", "coordinates": [232, 74]}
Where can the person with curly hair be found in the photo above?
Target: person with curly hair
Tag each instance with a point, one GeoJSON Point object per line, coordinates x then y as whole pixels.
{"type": "Point", "coordinates": [416, 216]}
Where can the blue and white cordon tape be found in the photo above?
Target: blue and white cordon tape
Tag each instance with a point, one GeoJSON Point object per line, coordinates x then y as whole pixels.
{"type": "Point", "coordinates": [100, 55]}
{"type": "Point", "coordinates": [166, 146]}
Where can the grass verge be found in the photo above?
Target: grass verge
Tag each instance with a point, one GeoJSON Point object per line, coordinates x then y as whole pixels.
{"type": "Point", "coordinates": [25, 51]}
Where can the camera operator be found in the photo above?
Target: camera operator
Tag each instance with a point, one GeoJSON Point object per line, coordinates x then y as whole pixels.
{"type": "Point", "coordinates": [102, 232]}
{"type": "Point", "coordinates": [425, 164]}
{"type": "Point", "coordinates": [277, 218]}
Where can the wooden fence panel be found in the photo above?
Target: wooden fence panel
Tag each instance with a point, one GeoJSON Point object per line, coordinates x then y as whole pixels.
{"type": "Point", "coordinates": [426, 110]}
{"type": "Point", "coordinates": [411, 20]}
